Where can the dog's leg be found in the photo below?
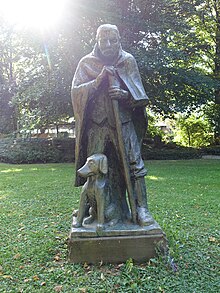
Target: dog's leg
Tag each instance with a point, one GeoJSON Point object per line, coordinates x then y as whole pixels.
{"type": "Point", "coordinates": [82, 209]}
{"type": "Point", "coordinates": [91, 218]}
{"type": "Point", "coordinates": [100, 200]}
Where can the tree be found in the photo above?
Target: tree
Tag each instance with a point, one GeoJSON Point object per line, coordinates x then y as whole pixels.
{"type": "Point", "coordinates": [159, 33]}
{"type": "Point", "coordinates": [193, 131]}
{"type": "Point", "coordinates": [34, 90]}
{"type": "Point", "coordinates": [173, 42]}
{"type": "Point", "coordinates": [212, 114]}
{"type": "Point", "coordinates": [207, 24]}
{"type": "Point", "coordinates": [7, 79]}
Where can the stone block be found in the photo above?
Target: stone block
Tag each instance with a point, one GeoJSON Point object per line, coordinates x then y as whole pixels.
{"type": "Point", "coordinates": [116, 245]}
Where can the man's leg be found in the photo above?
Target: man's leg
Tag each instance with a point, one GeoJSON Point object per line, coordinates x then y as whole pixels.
{"type": "Point", "coordinates": [138, 172]}
{"type": "Point", "coordinates": [96, 139]}
{"type": "Point", "coordinates": [143, 215]}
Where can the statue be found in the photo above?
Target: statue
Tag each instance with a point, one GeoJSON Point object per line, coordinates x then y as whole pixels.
{"type": "Point", "coordinates": [113, 222]}
{"type": "Point", "coordinates": [109, 108]}
{"type": "Point", "coordinates": [96, 194]}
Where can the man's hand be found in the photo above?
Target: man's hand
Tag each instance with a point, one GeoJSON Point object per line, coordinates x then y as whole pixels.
{"type": "Point", "coordinates": [117, 93]}
{"type": "Point", "coordinates": [105, 71]}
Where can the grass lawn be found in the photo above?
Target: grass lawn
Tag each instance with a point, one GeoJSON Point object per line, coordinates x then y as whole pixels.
{"type": "Point", "coordinates": [36, 202]}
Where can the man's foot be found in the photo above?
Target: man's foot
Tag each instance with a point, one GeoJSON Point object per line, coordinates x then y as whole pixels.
{"type": "Point", "coordinates": [113, 222]}
{"type": "Point", "coordinates": [144, 217]}
{"type": "Point", "coordinates": [100, 227]}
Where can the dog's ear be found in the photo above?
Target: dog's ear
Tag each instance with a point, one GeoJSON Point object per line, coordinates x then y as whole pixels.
{"type": "Point", "coordinates": [103, 165]}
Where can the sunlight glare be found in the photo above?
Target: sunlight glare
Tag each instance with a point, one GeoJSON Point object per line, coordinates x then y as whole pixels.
{"type": "Point", "coordinates": [154, 178]}
{"type": "Point", "coordinates": [11, 170]}
{"type": "Point", "coordinates": [38, 14]}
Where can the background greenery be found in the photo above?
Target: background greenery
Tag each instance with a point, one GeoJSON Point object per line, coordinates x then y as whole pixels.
{"type": "Point", "coordinates": [35, 218]}
{"type": "Point", "coordinates": [39, 150]}
{"type": "Point", "coordinates": [176, 44]}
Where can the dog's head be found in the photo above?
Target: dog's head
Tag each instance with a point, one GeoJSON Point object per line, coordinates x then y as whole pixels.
{"type": "Point", "coordinates": [94, 165]}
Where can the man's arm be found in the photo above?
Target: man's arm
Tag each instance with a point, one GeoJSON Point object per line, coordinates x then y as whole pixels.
{"type": "Point", "coordinates": [83, 79]}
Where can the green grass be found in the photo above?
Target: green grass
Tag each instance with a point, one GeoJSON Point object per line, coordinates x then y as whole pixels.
{"type": "Point", "coordinates": [36, 202]}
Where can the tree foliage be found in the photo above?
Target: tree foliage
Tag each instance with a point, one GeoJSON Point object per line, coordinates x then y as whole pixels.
{"type": "Point", "coordinates": [7, 82]}
{"type": "Point", "coordinates": [176, 44]}
{"type": "Point", "coordinates": [193, 131]}
{"type": "Point", "coordinates": [212, 114]}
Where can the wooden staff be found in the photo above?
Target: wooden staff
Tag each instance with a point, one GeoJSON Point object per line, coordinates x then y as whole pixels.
{"type": "Point", "coordinates": [113, 82]}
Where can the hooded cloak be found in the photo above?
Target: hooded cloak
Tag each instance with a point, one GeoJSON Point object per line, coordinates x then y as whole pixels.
{"type": "Point", "coordinates": [84, 89]}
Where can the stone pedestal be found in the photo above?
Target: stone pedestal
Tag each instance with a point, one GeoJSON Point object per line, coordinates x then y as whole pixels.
{"type": "Point", "coordinates": [116, 244]}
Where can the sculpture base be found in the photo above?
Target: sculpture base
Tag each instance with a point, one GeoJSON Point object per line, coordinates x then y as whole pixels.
{"type": "Point", "coordinates": [116, 244]}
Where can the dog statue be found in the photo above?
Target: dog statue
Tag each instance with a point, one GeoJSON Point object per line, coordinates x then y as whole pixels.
{"type": "Point", "coordinates": [95, 195]}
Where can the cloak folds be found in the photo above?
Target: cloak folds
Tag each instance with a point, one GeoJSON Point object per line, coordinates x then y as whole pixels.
{"type": "Point", "coordinates": [84, 89]}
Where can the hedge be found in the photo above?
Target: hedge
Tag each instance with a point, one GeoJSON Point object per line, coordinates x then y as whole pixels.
{"type": "Point", "coordinates": [37, 150]}
{"type": "Point", "coordinates": [40, 150]}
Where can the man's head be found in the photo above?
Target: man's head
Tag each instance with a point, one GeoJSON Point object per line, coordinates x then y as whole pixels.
{"type": "Point", "coordinates": [108, 40]}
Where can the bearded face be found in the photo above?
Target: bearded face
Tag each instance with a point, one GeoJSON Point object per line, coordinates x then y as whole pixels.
{"type": "Point", "coordinates": [109, 44]}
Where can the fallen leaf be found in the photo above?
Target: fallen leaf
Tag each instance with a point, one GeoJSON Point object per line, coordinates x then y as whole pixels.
{"type": "Point", "coordinates": [102, 276]}
{"type": "Point", "coordinates": [119, 266]}
{"type": "Point", "coordinates": [212, 239]}
{"type": "Point", "coordinates": [7, 277]}
{"type": "Point", "coordinates": [58, 288]}
{"type": "Point", "coordinates": [43, 284]}
{"type": "Point", "coordinates": [17, 256]}
{"type": "Point", "coordinates": [36, 278]}
{"type": "Point", "coordinates": [117, 286]}
{"type": "Point", "coordinates": [57, 257]}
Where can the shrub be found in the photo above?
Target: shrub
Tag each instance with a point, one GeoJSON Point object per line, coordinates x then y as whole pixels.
{"type": "Point", "coordinates": [58, 150]}
{"type": "Point", "coordinates": [212, 150]}
{"type": "Point", "coordinates": [170, 153]}
{"type": "Point", "coordinates": [35, 150]}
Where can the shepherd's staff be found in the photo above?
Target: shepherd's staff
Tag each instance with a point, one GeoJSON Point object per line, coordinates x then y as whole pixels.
{"type": "Point", "coordinates": [113, 82]}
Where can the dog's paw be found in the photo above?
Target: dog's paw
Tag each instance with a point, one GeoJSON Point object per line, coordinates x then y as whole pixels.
{"type": "Point", "coordinates": [75, 213]}
{"type": "Point", "coordinates": [77, 225]}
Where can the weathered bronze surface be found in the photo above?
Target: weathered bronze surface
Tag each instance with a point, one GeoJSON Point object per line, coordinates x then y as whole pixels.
{"type": "Point", "coordinates": [140, 248]}
{"type": "Point", "coordinates": [109, 107]}
{"type": "Point", "coordinates": [109, 103]}
{"type": "Point", "coordinates": [96, 198]}
{"type": "Point", "coordinates": [119, 229]}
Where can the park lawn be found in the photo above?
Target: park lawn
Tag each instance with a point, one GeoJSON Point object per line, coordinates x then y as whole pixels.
{"type": "Point", "coordinates": [36, 202]}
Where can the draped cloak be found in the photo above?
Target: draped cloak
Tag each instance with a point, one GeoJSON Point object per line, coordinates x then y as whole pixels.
{"type": "Point", "coordinates": [84, 89]}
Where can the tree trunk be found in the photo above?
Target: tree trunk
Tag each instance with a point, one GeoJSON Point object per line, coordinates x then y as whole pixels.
{"type": "Point", "coordinates": [189, 136]}
{"type": "Point", "coordinates": [217, 49]}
